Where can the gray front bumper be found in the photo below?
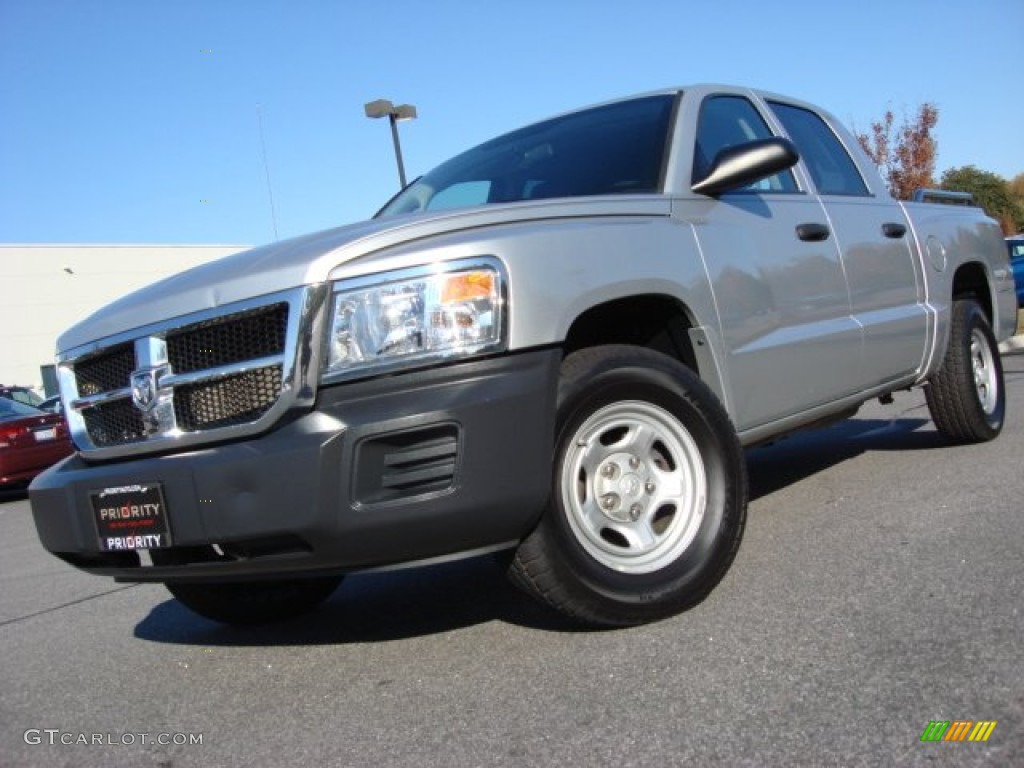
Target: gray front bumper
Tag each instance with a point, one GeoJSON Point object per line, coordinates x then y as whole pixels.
{"type": "Point", "coordinates": [384, 471]}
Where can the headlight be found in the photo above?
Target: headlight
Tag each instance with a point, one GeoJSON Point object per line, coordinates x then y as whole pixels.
{"type": "Point", "coordinates": [399, 318]}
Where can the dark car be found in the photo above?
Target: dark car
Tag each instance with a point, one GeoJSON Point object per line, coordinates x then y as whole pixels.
{"type": "Point", "coordinates": [30, 441]}
{"type": "Point", "coordinates": [1015, 245]}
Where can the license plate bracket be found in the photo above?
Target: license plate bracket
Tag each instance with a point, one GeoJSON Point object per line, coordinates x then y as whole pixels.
{"type": "Point", "coordinates": [131, 517]}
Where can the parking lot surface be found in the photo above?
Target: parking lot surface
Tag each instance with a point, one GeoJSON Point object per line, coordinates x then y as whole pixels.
{"type": "Point", "coordinates": [878, 588]}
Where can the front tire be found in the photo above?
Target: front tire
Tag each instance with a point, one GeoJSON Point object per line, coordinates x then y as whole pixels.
{"type": "Point", "coordinates": [648, 497]}
{"type": "Point", "coordinates": [966, 398]}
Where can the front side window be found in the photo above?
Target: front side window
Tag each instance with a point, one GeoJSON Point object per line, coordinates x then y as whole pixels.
{"type": "Point", "coordinates": [830, 165]}
{"type": "Point", "coordinates": [729, 121]}
{"type": "Point", "coordinates": [615, 149]}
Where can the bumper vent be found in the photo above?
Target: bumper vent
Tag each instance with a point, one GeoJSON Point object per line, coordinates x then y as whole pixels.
{"type": "Point", "coordinates": [402, 465]}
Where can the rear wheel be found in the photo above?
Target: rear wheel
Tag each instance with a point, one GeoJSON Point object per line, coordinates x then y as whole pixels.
{"type": "Point", "coordinates": [254, 602]}
{"type": "Point", "coordinates": [966, 398]}
{"type": "Point", "coordinates": [648, 497]}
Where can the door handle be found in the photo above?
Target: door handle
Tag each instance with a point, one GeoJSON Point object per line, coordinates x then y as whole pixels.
{"type": "Point", "coordinates": [893, 230]}
{"type": "Point", "coordinates": [812, 233]}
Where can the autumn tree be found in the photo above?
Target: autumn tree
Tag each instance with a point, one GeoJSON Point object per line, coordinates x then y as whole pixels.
{"type": "Point", "coordinates": [991, 192]}
{"type": "Point", "coordinates": [1016, 185]}
{"type": "Point", "coordinates": [905, 154]}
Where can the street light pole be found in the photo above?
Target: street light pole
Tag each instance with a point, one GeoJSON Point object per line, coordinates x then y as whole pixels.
{"type": "Point", "coordinates": [384, 108]}
{"type": "Point", "coordinates": [398, 149]}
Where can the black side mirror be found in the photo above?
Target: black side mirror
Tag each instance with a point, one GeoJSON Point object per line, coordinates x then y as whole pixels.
{"type": "Point", "coordinates": [736, 167]}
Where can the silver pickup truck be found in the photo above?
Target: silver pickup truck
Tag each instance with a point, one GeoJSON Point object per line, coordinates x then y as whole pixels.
{"type": "Point", "coordinates": [554, 345]}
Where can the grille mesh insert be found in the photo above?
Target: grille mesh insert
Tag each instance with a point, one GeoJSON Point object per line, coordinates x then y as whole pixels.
{"type": "Point", "coordinates": [106, 371]}
{"type": "Point", "coordinates": [226, 340]}
{"type": "Point", "coordinates": [113, 423]}
{"type": "Point", "coordinates": [236, 399]}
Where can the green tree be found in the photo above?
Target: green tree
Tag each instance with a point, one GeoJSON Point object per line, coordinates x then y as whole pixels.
{"type": "Point", "coordinates": [905, 154]}
{"type": "Point", "coordinates": [990, 191]}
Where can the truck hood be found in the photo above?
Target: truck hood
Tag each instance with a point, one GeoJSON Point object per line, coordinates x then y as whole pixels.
{"type": "Point", "coordinates": [311, 258]}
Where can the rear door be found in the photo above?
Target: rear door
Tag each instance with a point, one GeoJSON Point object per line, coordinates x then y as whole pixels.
{"type": "Point", "coordinates": [886, 294]}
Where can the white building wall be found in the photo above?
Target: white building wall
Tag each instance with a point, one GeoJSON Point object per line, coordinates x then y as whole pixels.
{"type": "Point", "coordinates": [45, 289]}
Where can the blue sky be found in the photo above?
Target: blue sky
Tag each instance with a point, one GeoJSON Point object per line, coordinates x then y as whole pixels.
{"type": "Point", "coordinates": [136, 121]}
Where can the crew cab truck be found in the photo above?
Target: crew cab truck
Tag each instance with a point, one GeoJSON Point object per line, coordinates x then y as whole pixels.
{"type": "Point", "coordinates": [556, 344]}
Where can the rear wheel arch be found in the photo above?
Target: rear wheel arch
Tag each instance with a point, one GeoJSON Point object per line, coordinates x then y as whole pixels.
{"type": "Point", "coordinates": [970, 281]}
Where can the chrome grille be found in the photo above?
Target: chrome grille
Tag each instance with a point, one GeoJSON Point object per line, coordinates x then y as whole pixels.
{"type": "Point", "coordinates": [213, 375]}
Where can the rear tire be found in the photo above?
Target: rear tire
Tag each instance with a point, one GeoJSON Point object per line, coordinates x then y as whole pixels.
{"type": "Point", "coordinates": [966, 397]}
{"type": "Point", "coordinates": [648, 496]}
{"type": "Point", "coordinates": [254, 602]}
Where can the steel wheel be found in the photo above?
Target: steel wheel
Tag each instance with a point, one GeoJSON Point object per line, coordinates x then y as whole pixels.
{"type": "Point", "coordinates": [634, 487]}
{"type": "Point", "coordinates": [985, 375]}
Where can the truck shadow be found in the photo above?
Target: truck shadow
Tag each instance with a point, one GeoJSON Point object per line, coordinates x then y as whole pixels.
{"type": "Point", "coordinates": [18, 493]}
{"type": "Point", "coordinates": [376, 607]}
{"type": "Point", "coordinates": [777, 465]}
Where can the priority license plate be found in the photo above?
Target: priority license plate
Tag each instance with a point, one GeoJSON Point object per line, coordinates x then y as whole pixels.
{"type": "Point", "coordinates": [131, 517]}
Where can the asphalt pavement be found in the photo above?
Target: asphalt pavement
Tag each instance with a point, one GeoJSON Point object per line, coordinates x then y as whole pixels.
{"type": "Point", "coordinates": [878, 588]}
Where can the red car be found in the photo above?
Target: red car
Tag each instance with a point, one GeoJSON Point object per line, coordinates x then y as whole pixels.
{"type": "Point", "coordinates": [30, 441]}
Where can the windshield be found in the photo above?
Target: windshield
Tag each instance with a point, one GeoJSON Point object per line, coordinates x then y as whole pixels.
{"type": "Point", "coordinates": [615, 149]}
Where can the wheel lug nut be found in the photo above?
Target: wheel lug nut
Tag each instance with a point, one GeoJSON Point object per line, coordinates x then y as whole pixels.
{"type": "Point", "coordinates": [650, 488]}
{"type": "Point", "coordinates": [609, 502]}
{"type": "Point", "coordinates": [608, 470]}
{"type": "Point", "coordinates": [634, 462]}
{"type": "Point", "coordinates": [635, 511]}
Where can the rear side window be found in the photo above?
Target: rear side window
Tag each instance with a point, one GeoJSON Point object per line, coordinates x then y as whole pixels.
{"type": "Point", "coordinates": [830, 165]}
{"type": "Point", "coordinates": [729, 121]}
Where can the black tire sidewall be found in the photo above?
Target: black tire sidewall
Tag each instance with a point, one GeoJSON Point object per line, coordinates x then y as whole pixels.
{"type": "Point", "coordinates": [974, 319]}
{"type": "Point", "coordinates": [652, 378]}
